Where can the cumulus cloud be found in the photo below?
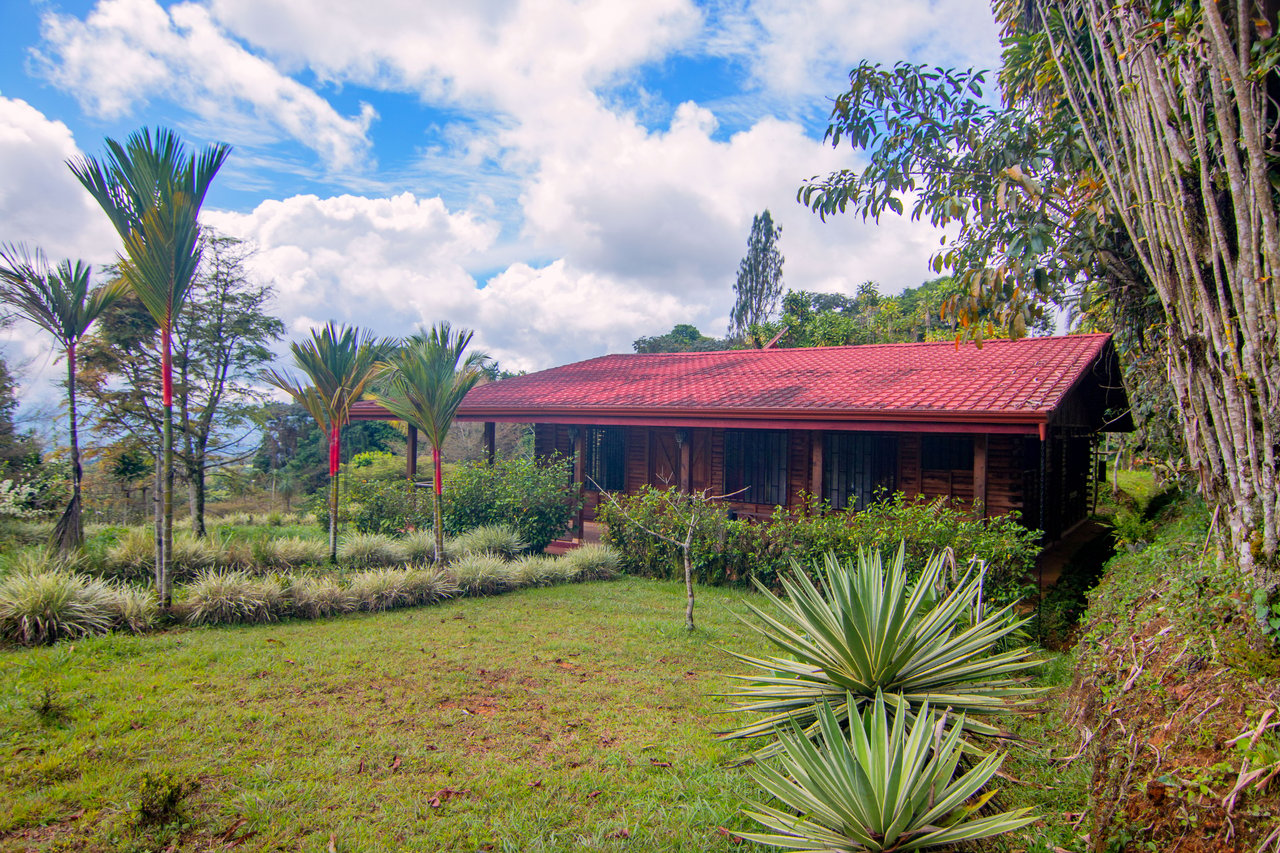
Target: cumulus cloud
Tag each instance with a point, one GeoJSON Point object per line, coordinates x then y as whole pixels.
{"type": "Point", "coordinates": [127, 51]}
{"type": "Point", "coordinates": [41, 202]}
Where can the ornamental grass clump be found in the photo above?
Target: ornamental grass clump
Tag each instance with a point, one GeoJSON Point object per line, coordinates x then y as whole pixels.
{"type": "Point", "coordinates": [862, 629]}
{"type": "Point", "coordinates": [382, 589]}
{"type": "Point", "coordinates": [233, 597]}
{"type": "Point", "coordinates": [592, 563]}
{"type": "Point", "coordinates": [132, 609]}
{"type": "Point", "coordinates": [428, 584]}
{"type": "Point", "coordinates": [133, 556]}
{"type": "Point", "coordinates": [192, 555]}
{"type": "Point", "coordinates": [288, 553]}
{"type": "Point", "coordinates": [500, 540]}
{"type": "Point", "coordinates": [483, 574]}
{"type": "Point", "coordinates": [320, 597]}
{"type": "Point", "coordinates": [535, 570]}
{"type": "Point", "coordinates": [370, 549]}
{"type": "Point", "coordinates": [879, 787]}
{"type": "Point", "coordinates": [39, 608]}
{"type": "Point", "coordinates": [420, 546]}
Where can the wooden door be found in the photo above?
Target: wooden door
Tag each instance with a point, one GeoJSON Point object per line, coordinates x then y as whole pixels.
{"type": "Point", "coordinates": [664, 459]}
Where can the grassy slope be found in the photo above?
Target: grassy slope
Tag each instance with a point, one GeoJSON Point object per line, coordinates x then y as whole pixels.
{"type": "Point", "coordinates": [568, 717]}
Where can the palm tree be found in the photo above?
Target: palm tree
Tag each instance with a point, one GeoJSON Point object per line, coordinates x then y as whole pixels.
{"type": "Point", "coordinates": [152, 190]}
{"type": "Point", "coordinates": [340, 362]}
{"type": "Point", "coordinates": [59, 301]}
{"type": "Point", "coordinates": [428, 380]}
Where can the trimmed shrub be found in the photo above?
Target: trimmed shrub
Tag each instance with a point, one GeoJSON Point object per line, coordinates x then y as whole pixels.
{"type": "Point", "coordinates": [39, 608]}
{"type": "Point", "coordinates": [737, 551]}
{"type": "Point", "coordinates": [500, 540]}
{"type": "Point", "coordinates": [593, 563]}
{"type": "Point", "coordinates": [369, 549]}
{"type": "Point", "coordinates": [536, 498]}
{"type": "Point", "coordinates": [483, 574]}
{"type": "Point", "coordinates": [318, 597]}
{"type": "Point", "coordinates": [382, 589]}
{"type": "Point", "coordinates": [233, 597]}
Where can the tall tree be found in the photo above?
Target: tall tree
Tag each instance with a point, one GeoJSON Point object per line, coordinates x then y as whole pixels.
{"type": "Point", "coordinates": [682, 338]}
{"type": "Point", "coordinates": [1176, 105]}
{"type": "Point", "coordinates": [58, 300]}
{"type": "Point", "coordinates": [428, 379]}
{"type": "Point", "coordinates": [220, 341]}
{"type": "Point", "coordinates": [759, 283]}
{"type": "Point", "coordinates": [341, 362]}
{"type": "Point", "coordinates": [152, 191]}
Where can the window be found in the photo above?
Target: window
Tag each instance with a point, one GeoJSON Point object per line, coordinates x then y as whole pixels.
{"type": "Point", "coordinates": [755, 466]}
{"type": "Point", "coordinates": [946, 453]}
{"type": "Point", "coordinates": [857, 464]}
{"type": "Point", "coordinates": [606, 461]}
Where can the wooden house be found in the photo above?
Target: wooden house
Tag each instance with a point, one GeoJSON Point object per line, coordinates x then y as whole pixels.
{"type": "Point", "coordinates": [1009, 426]}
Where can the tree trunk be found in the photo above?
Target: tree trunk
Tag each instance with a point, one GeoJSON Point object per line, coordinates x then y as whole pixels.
{"type": "Point", "coordinates": [436, 492]}
{"type": "Point", "coordinates": [686, 548]}
{"type": "Point", "coordinates": [335, 444]}
{"type": "Point", "coordinates": [69, 532]}
{"type": "Point", "coordinates": [197, 492]}
{"type": "Point", "coordinates": [157, 517]}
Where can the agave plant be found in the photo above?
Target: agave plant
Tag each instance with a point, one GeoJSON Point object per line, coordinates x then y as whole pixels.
{"type": "Point", "coordinates": [880, 788]}
{"type": "Point", "coordinates": [862, 630]}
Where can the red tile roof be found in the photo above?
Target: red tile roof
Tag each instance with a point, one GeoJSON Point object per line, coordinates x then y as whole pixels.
{"type": "Point", "coordinates": [1007, 381]}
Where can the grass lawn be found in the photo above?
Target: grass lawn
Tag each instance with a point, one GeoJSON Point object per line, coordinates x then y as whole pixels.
{"type": "Point", "coordinates": [571, 717]}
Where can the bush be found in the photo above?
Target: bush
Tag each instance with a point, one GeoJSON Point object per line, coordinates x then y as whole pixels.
{"type": "Point", "coordinates": [383, 506]}
{"type": "Point", "coordinates": [420, 546]}
{"type": "Point", "coordinates": [428, 585]}
{"type": "Point", "coordinates": [38, 608]}
{"type": "Point", "coordinates": [233, 597]}
{"type": "Point", "coordinates": [536, 498]}
{"type": "Point", "coordinates": [737, 551]}
{"type": "Point", "coordinates": [483, 574]}
{"type": "Point", "coordinates": [133, 556]}
{"type": "Point", "coordinates": [500, 540]}
{"type": "Point", "coordinates": [592, 563]}
{"type": "Point", "coordinates": [318, 597]}
{"type": "Point", "coordinates": [369, 549]}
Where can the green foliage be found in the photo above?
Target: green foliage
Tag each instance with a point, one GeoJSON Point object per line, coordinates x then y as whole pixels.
{"type": "Point", "coordinates": [288, 552]}
{"type": "Point", "coordinates": [41, 607]}
{"type": "Point", "coordinates": [759, 282]}
{"type": "Point", "coordinates": [537, 498]}
{"type": "Point", "coordinates": [884, 787]}
{"type": "Point", "coordinates": [381, 589]}
{"type": "Point", "coordinates": [737, 551]}
{"type": "Point", "coordinates": [160, 798]}
{"type": "Point", "coordinates": [320, 597]}
{"type": "Point", "coordinates": [538, 570]}
{"type": "Point", "coordinates": [499, 540]}
{"type": "Point", "coordinates": [863, 629]}
{"type": "Point", "coordinates": [386, 506]}
{"type": "Point", "coordinates": [682, 338]}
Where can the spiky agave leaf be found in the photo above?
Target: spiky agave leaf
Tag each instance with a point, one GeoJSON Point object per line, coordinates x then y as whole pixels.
{"type": "Point", "coordinates": [880, 787]}
{"type": "Point", "coordinates": [862, 629]}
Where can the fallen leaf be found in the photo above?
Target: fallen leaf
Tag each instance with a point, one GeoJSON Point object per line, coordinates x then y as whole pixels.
{"type": "Point", "coordinates": [395, 764]}
{"type": "Point", "coordinates": [720, 830]}
{"type": "Point", "coordinates": [537, 784]}
{"type": "Point", "coordinates": [656, 763]}
{"type": "Point", "coordinates": [333, 844]}
{"type": "Point", "coordinates": [442, 796]}
{"type": "Point", "coordinates": [621, 833]}
{"type": "Point", "coordinates": [231, 830]}
{"type": "Point", "coordinates": [360, 769]}
{"type": "Point", "coordinates": [593, 795]}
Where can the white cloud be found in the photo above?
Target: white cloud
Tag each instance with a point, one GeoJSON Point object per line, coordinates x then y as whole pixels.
{"type": "Point", "coordinates": [41, 202]}
{"type": "Point", "coordinates": [127, 51]}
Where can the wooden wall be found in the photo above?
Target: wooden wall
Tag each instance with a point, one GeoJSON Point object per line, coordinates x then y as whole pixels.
{"type": "Point", "coordinates": [1012, 471]}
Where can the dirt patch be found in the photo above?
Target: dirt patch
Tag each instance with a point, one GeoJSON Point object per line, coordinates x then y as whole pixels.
{"type": "Point", "coordinates": [1185, 752]}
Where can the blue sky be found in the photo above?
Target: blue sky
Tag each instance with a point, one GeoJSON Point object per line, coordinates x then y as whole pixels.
{"type": "Point", "coordinates": [561, 175]}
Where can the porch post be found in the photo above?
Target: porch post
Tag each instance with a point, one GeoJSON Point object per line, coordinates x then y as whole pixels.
{"type": "Point", "coordinates": [579, 436]}
{"type": "Point", "coordinates": [490, 440]}
{"type": "Point", "coordinates": [685, 475]}
{"type": "Point", "coordinates": [817, 446]}
{"type": "Point", "coordinates": [411, 455]}
{"type": "Point", "coordinates": [980, 471]}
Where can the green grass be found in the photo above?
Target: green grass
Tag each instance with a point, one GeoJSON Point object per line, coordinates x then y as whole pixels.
{"type": "Point", "coordinates": [572, 717]}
